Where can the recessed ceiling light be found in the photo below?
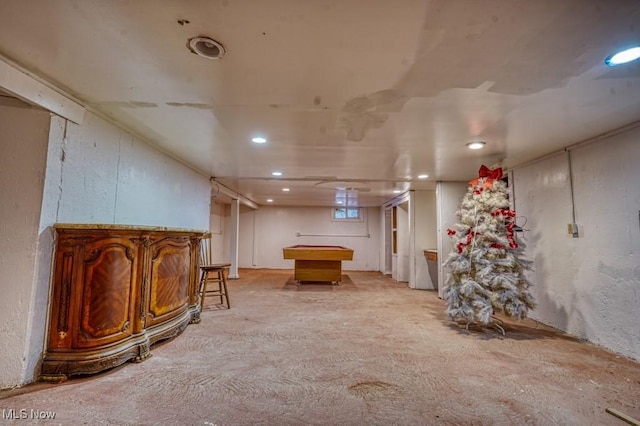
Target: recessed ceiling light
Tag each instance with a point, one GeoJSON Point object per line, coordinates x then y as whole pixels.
{"type": "Point", "coordinates": [276, 173]}
{"type": "Point", "coordinates": [476, 144]}
{"type": "Point", "coordinates": [396, 191]}
{"type": "Point", "coordinates": [423, 176]}
{"type": "Point", "coordinates": [285, 189]}
{"type": "Point", "coordinates": [269, 200]}
{"type": "Point", "coordinates": [258, 140]}
{"type": "Point", "coordinates": [206, 47]}
{"type": "Point", "coordinates": [623, 57]}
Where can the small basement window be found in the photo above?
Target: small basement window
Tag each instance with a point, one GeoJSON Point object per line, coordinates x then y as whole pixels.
{"type": "Point", "coordinates": [346, 213]}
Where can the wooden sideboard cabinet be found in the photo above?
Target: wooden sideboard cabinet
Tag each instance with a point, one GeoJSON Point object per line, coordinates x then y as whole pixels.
{"type": "Point", "coordinates": [118, 289]}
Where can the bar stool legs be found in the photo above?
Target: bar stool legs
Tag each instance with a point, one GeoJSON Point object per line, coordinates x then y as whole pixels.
{"type": "Point", "coordinates": [214, 274]}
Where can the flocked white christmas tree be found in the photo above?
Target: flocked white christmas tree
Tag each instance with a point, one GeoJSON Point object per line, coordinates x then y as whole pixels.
{"type": "Point", "coordinates": [487, 271]}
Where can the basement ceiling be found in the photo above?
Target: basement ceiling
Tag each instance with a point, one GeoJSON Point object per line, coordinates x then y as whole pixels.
{"type": "Point", "coordinates": [353, 96]}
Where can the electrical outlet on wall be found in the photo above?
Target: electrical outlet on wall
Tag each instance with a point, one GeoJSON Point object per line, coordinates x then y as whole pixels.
{"type": "Point", "coordinates": [572, 229]}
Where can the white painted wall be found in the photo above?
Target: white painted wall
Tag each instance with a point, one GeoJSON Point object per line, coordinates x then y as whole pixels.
{"type": "Point", "coordinates": [97, 173]}
{"type": "Point", "coordinates": [424, 224]}
{"type": "Point", "coordinates": [588, 286]}
{"type": "Point", "coordinates": [23, 152]}
{"type": "Point", "coordinates": [109, 176]}
{"type": "Point", "coordinates": [217, 222]}
{"type": "Point", "coordinates": [266, 231]}
{"type": "Point", "coordinates": [449, 195]}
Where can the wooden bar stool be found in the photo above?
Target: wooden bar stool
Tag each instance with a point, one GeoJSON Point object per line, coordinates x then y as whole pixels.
{"type": "Point", "coordinates": [212, 275]}
{"type": "Point", "coordinates": [214, 283]}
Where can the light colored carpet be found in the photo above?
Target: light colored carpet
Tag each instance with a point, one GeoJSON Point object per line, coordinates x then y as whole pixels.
{"type": "Point", "coordinates": [367, 352]}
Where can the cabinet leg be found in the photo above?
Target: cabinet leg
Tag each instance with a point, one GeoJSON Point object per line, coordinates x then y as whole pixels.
{"type": "Point", "coordinates": [144, 352]}
{"type": "Point", "coordinates": [195, 319]}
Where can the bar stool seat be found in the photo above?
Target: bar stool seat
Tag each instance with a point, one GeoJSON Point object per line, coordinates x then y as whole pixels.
{"type": "Point", "coordinates": [214, 283]}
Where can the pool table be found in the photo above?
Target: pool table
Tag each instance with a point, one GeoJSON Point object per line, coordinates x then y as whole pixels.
{"type": "Point", "coordinates": [318, 263]}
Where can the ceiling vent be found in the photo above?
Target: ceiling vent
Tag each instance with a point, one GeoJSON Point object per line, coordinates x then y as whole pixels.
{"type": "Point", "coordinates": [206, 47]}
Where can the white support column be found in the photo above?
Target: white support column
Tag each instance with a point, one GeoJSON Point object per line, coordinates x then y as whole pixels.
{"type": "Point", "coordinates": [440, 238]}
{"type": "Point", "coordinates": [412, 239]}
{"type": "Point", "coordinates": [234, 233]}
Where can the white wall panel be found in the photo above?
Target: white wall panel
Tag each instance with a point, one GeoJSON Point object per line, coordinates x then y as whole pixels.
{"type": "Point", "coordinates": [425, 236]}
{"type": "Point", "coordinates": [108, 176]}
{"type": "Point", "coordinates": [39, 309]}
{"type": "Point", "coordinates": [249, 239]}
{"type": "Point", "coordinates": [23, 153]}
{"type": "Point", "coordinates": [543, 200]}
{"type": "Point", "coordinates": [276, 227]}
{"type": "Point", "coordinates": [449, 196]}
{"type": "Point", "coordinates": [154, 189]}
{"type": "Point", "coordinates": [89, 166]}
{"type": "Point", "coordinates": [96, 174]}
{"type": "Point", "coordinates": [607, 196]}
{"type": "Point", "coordinates": [588, 286]}
{"type": "Point", "coordinates": [216, 227]}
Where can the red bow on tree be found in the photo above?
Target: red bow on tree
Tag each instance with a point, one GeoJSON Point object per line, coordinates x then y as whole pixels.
{"type": "Point", "coordinates": [485, 172]}
{"type": "Point", "coordinates": [486, 177]}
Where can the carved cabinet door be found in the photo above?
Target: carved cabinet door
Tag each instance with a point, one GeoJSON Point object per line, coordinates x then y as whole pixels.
{"type": "Point", "coordinates": [170, 278]}
{"type": "Point", "coordinates": [108, 294]}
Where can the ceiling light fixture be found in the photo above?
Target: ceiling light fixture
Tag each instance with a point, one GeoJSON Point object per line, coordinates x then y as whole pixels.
{"type": "Point", "coordinates": [623, 57]}
{"type": "Point", "coordinates": [396, 191]}
{"type": "Point", "coordinates": [269, 200]}
{"type": "Point", "coordinates": [476, 144]}
{"type": "Point", "coordinates": [276, 173]}
{"type": "Point", "coordinates": [206, 47]}
{"type": "Point", "coordinates": [285, 189]}
{"type": "Point", "coordinates": [258, 140]}
{"type": "Point", "coordinates": [423, 176]}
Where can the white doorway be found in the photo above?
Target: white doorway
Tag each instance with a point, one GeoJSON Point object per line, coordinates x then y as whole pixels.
{"type": "Point", "coordinates": [400, 241]}
{"type": "Point", "coordinates": [388, 249]}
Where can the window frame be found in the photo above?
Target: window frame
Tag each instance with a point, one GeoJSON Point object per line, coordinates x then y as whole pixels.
{"type": "Point", "coordinates": [359, 218]}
